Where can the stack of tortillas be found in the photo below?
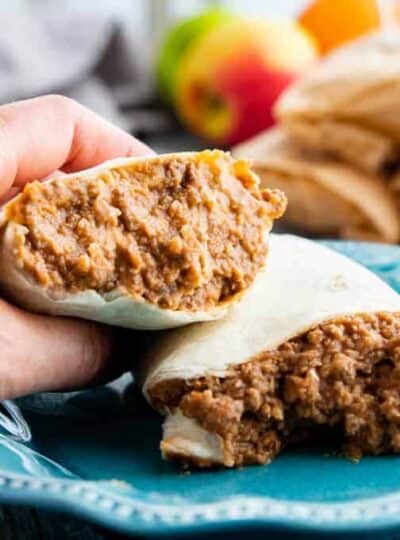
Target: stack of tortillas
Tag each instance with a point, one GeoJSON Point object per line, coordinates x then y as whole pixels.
{"type": "Point", "coordinates": [337, 148]}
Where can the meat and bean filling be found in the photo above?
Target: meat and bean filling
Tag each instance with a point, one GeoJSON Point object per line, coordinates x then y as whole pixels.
{"type": "Point", "coordinates": [343, 373]}
{"type": "Point", "coordinates": [182, 232]}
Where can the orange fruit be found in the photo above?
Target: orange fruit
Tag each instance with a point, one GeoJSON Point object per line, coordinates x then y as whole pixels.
{"type": "Point", "coordinates": [334, 22]}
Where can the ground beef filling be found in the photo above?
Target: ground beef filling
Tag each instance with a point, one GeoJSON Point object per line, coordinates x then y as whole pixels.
{"type": "Point", "coordinates": [184, 232]}
{"type": "Point", "coordinates": [344, 373]}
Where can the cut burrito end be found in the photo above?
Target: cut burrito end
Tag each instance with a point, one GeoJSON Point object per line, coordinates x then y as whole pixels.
{"type": "Point", "coordinates": [180, 232]}
{"type": "Point", "coordinates": [345, 373]}
{"type": "Point", "coordinates": [315, 344]}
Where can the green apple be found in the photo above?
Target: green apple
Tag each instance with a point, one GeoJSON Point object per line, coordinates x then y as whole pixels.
{"type": "Point", "coordinates": [176, 42]}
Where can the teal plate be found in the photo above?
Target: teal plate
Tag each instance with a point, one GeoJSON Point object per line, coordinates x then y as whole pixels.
{"type": "Point", "coordinates": [94, 454]}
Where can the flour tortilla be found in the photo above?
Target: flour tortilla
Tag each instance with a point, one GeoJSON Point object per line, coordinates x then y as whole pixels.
{"type": "Point", "coordinates": [325, 196]}
{"type": "Point", "coordinates": [304, 284]}
{"type": "Point", "coordinates": [116, 307]}
{"type": "Point", "coordinates": [348, 105]}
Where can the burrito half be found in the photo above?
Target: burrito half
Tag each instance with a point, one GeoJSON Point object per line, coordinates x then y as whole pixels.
{"type": "Point", "coordinates": [325, 196]}
{"type": "Point", "coordinates": [314, 343]}
{"type": "Point", "coordinates": [139, 242]}
{"type": "Point", "coordinates": [348, 105]}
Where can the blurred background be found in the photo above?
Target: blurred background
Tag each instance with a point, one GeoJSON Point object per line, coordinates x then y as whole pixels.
{"type": "Point", "coordinates": [114, 55]}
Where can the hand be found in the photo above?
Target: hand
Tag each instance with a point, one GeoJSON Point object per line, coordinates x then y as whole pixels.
{"type": "Point", "coordinates": [38, 137]}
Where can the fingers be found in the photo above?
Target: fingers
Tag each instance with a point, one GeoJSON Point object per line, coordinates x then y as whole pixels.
{"type": "Point", "coordinates": [37, 137]}
{"type": "Point", "coordinates": [9, 194]}
{"type": "Point", "coordinates": [14, 190]}
{"type": "Point", "coordinates": [40, 353]}
{"type": "Point", "coordinates": [41, 135]}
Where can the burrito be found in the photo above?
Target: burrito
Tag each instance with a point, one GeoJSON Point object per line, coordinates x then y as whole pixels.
{"type": "Point", "coordinates": [314, 344]}
{"type": "Point", "coordinates": [348, 106]}
{"type": "Point", "coordinates": [325, 196]}
{"type": "Point", "coordinates": [145, 243]}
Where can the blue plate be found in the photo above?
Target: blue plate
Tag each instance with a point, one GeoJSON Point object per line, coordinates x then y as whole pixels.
{"type": "Point", "coordinates": [95, 455]}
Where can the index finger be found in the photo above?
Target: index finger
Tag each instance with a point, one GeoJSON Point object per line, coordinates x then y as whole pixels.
{"type": "Point", "coordinates": [41, 135]}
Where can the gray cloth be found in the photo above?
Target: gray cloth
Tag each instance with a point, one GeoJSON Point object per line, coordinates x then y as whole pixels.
{"type": "Point", "coordinates": [85, 56]}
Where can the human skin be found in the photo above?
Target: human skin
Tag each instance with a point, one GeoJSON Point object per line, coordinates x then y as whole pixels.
{"type": "Point", "coordinates": [37, 138]}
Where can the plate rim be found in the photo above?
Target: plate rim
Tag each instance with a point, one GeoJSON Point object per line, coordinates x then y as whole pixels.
{"type": "Point", "coordinates": [90, 500]}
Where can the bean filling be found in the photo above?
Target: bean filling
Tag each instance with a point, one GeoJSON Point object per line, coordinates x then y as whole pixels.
{"type": "Point", "coordinates": [343, 373]}
{"type": "Point", "coordinates": [182, 232]}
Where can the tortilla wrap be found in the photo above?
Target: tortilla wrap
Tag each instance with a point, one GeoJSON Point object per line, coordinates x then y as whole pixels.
{"type": "Point", "coordinates": [304, 284]}
{"type": "Point", "coordinates": [348, 105]}
{"type": "Point", "coordinates": [117, 306]}
{"type": "Point", "coordinates": [325, 196]}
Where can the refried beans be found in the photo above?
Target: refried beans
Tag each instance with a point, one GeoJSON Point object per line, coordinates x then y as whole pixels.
{"type": "Point", "coordinates": [180, 231]}
{"type": "Point", "coordinates": [343, 373]}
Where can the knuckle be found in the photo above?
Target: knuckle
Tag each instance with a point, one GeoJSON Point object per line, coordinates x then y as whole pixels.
{"type": "Point", "coordinates": [94, 350]}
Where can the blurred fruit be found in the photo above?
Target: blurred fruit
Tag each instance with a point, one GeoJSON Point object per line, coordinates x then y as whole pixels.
{"type": "Point", "coordinates": [333, 22]}
{"type": "Point", "coordinates": [228, 80]}
{"type": "Point", "coordinates": [177, 41]}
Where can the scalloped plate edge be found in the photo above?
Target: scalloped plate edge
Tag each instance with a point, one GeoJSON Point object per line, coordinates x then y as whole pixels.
{"type": "Point", "coordinates": [90, 500]}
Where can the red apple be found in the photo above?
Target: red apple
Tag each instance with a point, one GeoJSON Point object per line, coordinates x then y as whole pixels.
{"type": "Point", "coordinates": [229, 79]}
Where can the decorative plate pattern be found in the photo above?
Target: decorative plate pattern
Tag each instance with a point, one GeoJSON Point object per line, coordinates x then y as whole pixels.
{"type": "Point", "coordinates": [95, 455]}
